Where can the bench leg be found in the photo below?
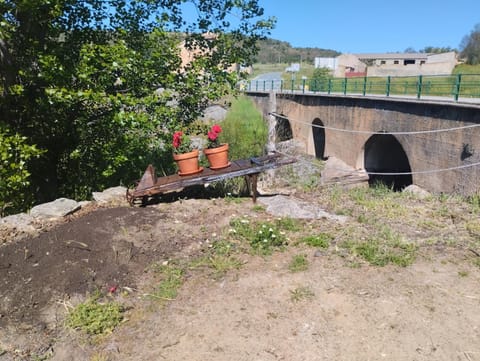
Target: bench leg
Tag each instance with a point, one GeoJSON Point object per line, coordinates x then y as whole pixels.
{"type": "Point", "coordinates": [252, 185]}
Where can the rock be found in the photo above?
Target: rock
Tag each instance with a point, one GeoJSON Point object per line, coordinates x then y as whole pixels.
{"type": "Point", "coordinates": [114, 194]}
{"type": "Point", "coordinates": [215, 113]}
{"type": "Point", "coordinates": [417, 191]}
{"type": "Point", "coordinates": [283, 206]}
{"type": "Point", "coordinates": [337, 171]}
{"type": "Point", "coordinates": [21, 220]}
{"type": "Point", "coordinates": [17, 226]}
{"type": "Point", "coordinates": [57, 208]}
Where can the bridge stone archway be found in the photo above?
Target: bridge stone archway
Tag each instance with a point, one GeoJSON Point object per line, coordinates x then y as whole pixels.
{"type": "Point", "coordinates": [283, 130]}
{"type": "Point", "coordinates": [385, 154]}
{"type": "Point", "coordinates": [318, 132]}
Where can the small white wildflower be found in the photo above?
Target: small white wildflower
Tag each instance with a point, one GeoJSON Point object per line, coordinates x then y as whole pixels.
{"type": "Point", "coordinates": [270, 230]}
{"type": "Point", "coordinates": [282, 233]}
{"type": "Point", "coordinates": [244, 221]}
{"type": "Point", "coordinates": [214, 234]}
{"type": "Point", "coordinates": [260, 232]}
{"type": "Point", "coordinates": [273, 236]}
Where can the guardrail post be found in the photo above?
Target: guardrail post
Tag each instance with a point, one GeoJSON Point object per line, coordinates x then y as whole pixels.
{"type": "Point", "coordinates": [303, 85]}
{"type": "Point", "coordinates": [293, 85]}
{"type": "Point", "coordinates": [345, 86]}
{"type": "Point", "coordinates": [329, 85]}
{"type": "Point", "coordinates": [364, 85]}
{"type": "Point", "coordinates": [388, 86]}
{"type": "Point", "coordinates": [458, 82]}
{"type": "Point", "coordinates": [281, 85]}
{"type": "Point", "coordinates": [419, 86]}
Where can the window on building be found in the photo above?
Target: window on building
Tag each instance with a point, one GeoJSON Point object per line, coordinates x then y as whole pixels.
{"type": "Point", "coordinates": [395, 62]}
{"type": "Point", "coordinates": [422, 62]}
{"type": "Point", "coordinates": [408, 61]}
{"type": "Point", "coordinates": [382, 62]}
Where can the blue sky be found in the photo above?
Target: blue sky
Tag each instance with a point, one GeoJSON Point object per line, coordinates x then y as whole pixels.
{"type": "Point", "coordinates": [372, 26]}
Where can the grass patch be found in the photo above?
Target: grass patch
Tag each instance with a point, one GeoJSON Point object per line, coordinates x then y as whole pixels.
{"type": "Point", "coordinates": [219, 259]}
{"type": "Point", "coordinates": [172, 277]}
{"type": "Point", "coordinates": [263, 237]}
{"type": "Point", "coordinates": [299, 263]}
{"type": "Point", "coordinates": [94, 317]}
{"type": "Point", "coordinates": [321, 240]}
{"type": "Point", "coordinates": [383, 249]}
{"type": "Point", "coordinates": [244, 130]}
{"type": "Point", "coordinates": [301, 293]}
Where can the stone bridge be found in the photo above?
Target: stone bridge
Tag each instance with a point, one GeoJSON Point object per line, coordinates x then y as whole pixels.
{"type": "Point", "coordinates": [434, 144]}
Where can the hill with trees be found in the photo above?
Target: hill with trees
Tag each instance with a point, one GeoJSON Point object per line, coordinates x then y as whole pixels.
{"type": "Point", "coordinates": [277, 51]}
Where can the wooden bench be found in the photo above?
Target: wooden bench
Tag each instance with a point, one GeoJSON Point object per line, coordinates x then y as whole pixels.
{"type": "Point", "coordinates": [149, 185]}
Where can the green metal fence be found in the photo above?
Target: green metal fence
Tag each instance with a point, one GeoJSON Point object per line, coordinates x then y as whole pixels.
{"type": "Point", "coordinates": [452, 86]}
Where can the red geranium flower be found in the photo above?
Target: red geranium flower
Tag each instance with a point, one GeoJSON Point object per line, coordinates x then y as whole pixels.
{"type": "Point", "coordinates": [213, 141]}
{"type": "Point", "coordinates": [216, 129]}
{"type": "Point", "coordinates": [181, 143]}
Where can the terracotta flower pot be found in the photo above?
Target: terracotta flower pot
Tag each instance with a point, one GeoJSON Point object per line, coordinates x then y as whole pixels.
{"type": "Point", "coordinates": [217, 157]}
{"type": "Point", "coordinates": [187, 163]}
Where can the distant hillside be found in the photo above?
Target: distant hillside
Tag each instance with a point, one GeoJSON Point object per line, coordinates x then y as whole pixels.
{"type": "Point", "coordinates": [276, 51]}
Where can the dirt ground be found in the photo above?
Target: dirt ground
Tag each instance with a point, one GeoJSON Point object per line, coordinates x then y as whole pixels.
{"type": "Point", "coordinates": [426, 311]}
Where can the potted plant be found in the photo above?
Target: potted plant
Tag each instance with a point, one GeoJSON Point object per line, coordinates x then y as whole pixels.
{"type": "Point", "coordinates": [184, 154]}
{"type": "Point", "coordinates": [216, 152]}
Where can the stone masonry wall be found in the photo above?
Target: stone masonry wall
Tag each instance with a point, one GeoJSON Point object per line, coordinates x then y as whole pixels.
{"type": "Point", "coordinates": [425, 151]}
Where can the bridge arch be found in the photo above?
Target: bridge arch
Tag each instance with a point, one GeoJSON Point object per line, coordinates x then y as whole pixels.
{"type": "Point", "coordinates": [383, 153]}
{"type": "Point", "coordinates": [283, 130]}
{"type": "Point", "coordinates": [318, 132]}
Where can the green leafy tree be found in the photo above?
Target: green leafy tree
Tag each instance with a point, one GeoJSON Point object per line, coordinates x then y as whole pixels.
{"type": "Point", "coordinates": [100, 85]}
{"type": "Point", "coordinates": [470, 46]}
{"type": "Point", "coordinates": [320, 79]}
{"type": "Point", "coordinates": [14, 176]}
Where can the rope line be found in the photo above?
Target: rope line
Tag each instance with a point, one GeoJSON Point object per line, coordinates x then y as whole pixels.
{"type": "Point", "coordinates": [430, 171]}
{"type": "Point", "coordinates": [373, 132]}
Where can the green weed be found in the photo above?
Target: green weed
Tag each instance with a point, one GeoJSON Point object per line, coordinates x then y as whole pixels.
{"type": "Point", "coordinates": [94, 317]}
{"type": "Point", "coordinates": [264, 237]}
{"type": "Point", "coordinates": [219, 258]}
{"type": "Point", "coordinates": [301, 293]}
{"type": "Point", "coordinates": [298, 263]}
{"type": "Point", "coordinates": [321, 240]}
{"type": "Point", "coordinates": [172, 278]}
{"type": "Point", "coordinates": [384, 248]}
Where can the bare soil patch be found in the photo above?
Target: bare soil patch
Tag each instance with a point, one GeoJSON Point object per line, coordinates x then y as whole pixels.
{"type": "Point", "coordinates": [338, 309]}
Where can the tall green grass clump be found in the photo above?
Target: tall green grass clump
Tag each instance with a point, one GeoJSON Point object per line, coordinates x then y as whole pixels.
{"type": "Point", "coordinates": [244, 130]}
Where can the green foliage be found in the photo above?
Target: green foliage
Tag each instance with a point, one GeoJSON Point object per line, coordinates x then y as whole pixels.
{"type": "Point", "coordinates": [244, 130]}
{"type": "Point", "coordinates": [101, 88]}
{"type": "Point", "coordinates": [321, 240]}
{"type": "Point", "coordinates": [383, 248]}
{"type": "Point", "coordinates": [15, 156]}
{"type": "Point", "coordinates": [301, 293]}
{"type": "Point", "coordinates": [470, 46]}
{"type": "Point", "coordinates": [298, 263]}
{"type": "Point", "coordinates": [172, 278]}
{"type": "Point", "coordinates": [276, 51]}
{"type": "Point", "coordinates": [220, 258]}
{"type": "Point", "coordinates": [320, 79]}
{"type": "Point", "coordinates": [263, 237]}
{"type": "Point", "coordinates": [94, 317]}
{"type": "Point", "coordinates": [267, 238]}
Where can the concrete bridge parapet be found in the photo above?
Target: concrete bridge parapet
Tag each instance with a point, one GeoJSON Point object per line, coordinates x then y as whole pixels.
{"type": "Point", "coordinates": [433, 144]}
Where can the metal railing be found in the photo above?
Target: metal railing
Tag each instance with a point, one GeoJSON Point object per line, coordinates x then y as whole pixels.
{"type": "Point", "coordinates": [452, 86]}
